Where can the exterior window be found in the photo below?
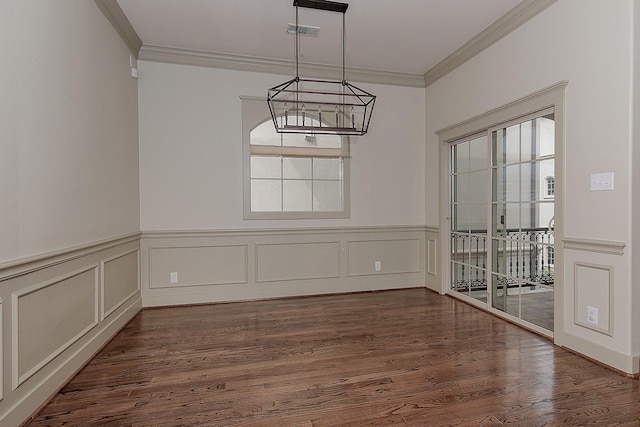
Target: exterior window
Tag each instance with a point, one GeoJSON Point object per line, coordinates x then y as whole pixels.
{"type": "Point", "coordinates": [551, 186]}
{"type": "Point", "coordinates": [551, 256]}
{"type": "Point", "coordinates": [294, 176]}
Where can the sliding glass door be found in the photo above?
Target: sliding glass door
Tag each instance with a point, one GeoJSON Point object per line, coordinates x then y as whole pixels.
{"type": "Point", "coordinates": [502, 217]}
{"type": "Point", "coordinates": [522, 216]}
{"type": "Point", "coordinates": [469, 238]}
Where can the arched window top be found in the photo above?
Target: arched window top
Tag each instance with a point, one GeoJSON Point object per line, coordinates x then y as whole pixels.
{"type": "Point", "coordinates": [265, 134]}
{"type": "Point", "coordinates": [551, 185]}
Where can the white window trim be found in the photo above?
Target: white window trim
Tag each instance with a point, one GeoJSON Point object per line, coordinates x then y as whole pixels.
{"type": "Point", "coordinates": [254, 112]}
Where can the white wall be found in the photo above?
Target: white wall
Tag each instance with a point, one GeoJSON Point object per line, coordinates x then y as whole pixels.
{"type": "Point", "coordinates": [191, 152]}
{"type": "Point", "coordinates": [588, 43]}
{"type": "Point", "coordinates": [68, 134]}
{"type": "Point", "coordinates": [69, 196]}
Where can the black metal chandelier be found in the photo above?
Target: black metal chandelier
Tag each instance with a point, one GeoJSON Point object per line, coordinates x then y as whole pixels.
{"type": "Point", "coordinates": [311, 106]}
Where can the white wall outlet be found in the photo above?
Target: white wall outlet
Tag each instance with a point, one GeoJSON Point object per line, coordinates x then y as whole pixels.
{"type": "Point", "coordinates": [173, 277]}
{"type": "Point", "coordinates": [378, 265]}
{"type": "Point", "coordinates": [592, 315]}
{"type": "Point", "coordinates": [602, 181]}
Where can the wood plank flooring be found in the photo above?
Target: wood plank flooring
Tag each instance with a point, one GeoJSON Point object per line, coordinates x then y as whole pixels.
{"type": "Point", "coordinates": [402, 358]}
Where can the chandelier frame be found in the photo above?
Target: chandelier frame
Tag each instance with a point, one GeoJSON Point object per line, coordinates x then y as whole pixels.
{"type": "Point", "coordinates": [316, 106]}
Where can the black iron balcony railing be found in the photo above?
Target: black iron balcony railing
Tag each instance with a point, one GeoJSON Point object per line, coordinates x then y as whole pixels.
{"type": "Point", "coordinates": [523, 257]}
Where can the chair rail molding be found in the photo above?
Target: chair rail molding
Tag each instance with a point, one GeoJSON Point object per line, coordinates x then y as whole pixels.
{"type": "Point", "coordinates": [593, 245]}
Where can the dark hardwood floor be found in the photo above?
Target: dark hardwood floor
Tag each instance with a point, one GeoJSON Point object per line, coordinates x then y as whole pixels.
{"type": "Point", "coordinates": [405, 358]}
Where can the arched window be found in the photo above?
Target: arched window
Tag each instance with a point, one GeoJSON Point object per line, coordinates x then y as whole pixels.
{"type": "Point", "coordinates": [294, 175]}
{"type": "Point", "coordinates": [551, 186]}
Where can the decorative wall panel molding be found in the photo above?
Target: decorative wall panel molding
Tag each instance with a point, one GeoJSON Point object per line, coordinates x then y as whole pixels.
{"type": "Point", "coordinates": [184, 266]}
{"type": "Point", "coordinates": [279, 262]}
{"type": "Point", "coordinates": [432, 259]}
{"type": "Point", "coordinates": [120, 280]}
{"type": "Point", "coordinates": [2, 359]}
{"type": "Point", "coordinates": [593, 290]}
{"type": "Point", "coordinates": [64, 306]}
{"type": "Point", "coordinates": [49, 317]}
{"type": "Point", "coordinates": [297, 261]}
{"type": "Point", "coordinates": [392, 256]}
{"type": "Point", "coordinates": [432, 247]}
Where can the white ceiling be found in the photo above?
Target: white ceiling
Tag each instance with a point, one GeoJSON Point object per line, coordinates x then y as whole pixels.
{"type": "Point", "coordinates": [409, 36]}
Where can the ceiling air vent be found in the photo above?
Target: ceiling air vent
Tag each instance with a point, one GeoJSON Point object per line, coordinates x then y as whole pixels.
{"type": "Point", "coordinates": [303, 30]}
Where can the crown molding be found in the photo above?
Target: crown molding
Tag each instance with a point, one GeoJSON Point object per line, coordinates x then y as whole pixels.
{"type": "Point", "coordinates": [198, 58]}
{"type": "Point", "coordinates": [513, 19]}
{"type": "Point", "coordinates": [112, 11]}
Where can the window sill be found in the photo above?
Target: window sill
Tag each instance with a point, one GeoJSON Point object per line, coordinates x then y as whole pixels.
{"type": "Point", "coordinates": [295, 215]}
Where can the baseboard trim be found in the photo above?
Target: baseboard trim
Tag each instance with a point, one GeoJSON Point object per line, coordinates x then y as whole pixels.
{"type": "Point", "coordinates": [294, 290]}
{"type": "Point", "coordinates": [625, 364]}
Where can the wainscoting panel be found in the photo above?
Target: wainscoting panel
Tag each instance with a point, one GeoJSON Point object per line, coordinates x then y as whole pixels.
{"type": "Point", "coordinates": [198, 266]}
{"type": "Point", "coordinates": [595, 286]}
{"type": "Point", "coordinates": [60, 309]}
{"type": "Point", "coordinates": [432, 245]}
{"type": "Point", "coordinates": [1, 352]}
{"type": "Point", "coordinates": [391, 256]}
{"type": "Point", "coordinates": [593, 289]}
{"type": "Point", "coordinates": [51, 316]}
{"type": "Point", "coordinates": [297, 261]}
{"type": "Point", "coordinates": [275, 263]}
{"type": "Point", "coordinates": [432, 262]}
{"type": "Point", "coordinates": [120, 280]}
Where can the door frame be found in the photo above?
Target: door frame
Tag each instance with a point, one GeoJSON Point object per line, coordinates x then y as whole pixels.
{"type": "Point", "coordinates": [550, 97]}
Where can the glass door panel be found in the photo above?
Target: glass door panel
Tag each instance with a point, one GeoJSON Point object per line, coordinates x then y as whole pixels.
{"type": "Point", "coordinates": [469, 244]}
{"type": "Point", "coordinates": [522, 246]}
